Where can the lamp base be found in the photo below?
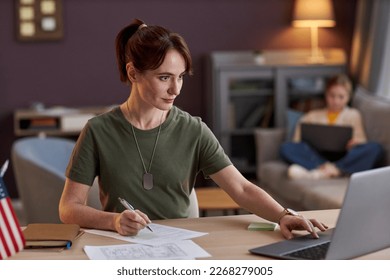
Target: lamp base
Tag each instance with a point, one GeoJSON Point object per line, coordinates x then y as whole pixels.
{"type": "Point", "coordinates": [318, 59]}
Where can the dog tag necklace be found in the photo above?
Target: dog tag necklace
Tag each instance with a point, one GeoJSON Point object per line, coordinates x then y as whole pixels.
{"type": "Point", "coordinates": [147, 179]}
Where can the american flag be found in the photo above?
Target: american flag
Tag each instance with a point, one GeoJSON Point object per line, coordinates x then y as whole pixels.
{"type": "Point", "coordinates": [11, 236]}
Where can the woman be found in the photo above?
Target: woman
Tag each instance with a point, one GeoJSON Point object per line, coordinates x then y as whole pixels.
{"type": "Point", "coordinates": [306, 162]}
{"type": "Point", "coordinates": [149, 152]}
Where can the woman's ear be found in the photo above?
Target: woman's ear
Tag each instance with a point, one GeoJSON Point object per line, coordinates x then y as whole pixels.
{"type": "Point", "coordinates": [130, 69]}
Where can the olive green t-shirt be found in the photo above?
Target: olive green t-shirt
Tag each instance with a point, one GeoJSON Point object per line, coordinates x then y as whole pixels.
{"type": "Point", "coordinates": [106, 148]}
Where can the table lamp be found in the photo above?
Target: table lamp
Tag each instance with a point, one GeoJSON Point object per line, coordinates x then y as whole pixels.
{"type": "Point", "coordinates": [314, 14]}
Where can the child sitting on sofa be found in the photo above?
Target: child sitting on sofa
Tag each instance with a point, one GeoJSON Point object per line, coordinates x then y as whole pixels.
{"type": "Point", "coordinates": [306, 162]}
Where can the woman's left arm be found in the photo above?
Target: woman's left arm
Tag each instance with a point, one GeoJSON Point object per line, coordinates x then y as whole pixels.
{"type": "Point", "coordinates": [257, 201]}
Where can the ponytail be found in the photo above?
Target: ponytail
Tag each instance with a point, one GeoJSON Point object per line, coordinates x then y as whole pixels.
{"type": "Point", "coordinates": [146, 47]}
{"type": "Point", "coordinates": [121, 44]}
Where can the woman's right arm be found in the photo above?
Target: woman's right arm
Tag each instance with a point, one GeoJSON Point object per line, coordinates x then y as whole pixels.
{"type": "Point", "coordinates": [73, 209]}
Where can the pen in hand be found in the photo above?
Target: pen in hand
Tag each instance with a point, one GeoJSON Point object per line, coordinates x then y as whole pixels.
{"type": "Point", "coordinates": [130, 207]}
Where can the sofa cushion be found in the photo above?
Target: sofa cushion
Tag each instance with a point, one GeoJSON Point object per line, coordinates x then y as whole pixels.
{"type": "Point", "coordinates": [309, 194]}
{"type": "Point", "coordinates": [376, 115]}
{"type": "Point", "coordinates": [274, 179]}
{"type": "Point", "coordinates": [268, 141]}
{"type": "Point", "coordinates": [324, 194]}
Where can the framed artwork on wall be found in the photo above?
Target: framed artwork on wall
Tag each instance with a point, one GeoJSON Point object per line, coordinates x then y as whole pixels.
{"type": "Point", "coordinates": [38, 20]}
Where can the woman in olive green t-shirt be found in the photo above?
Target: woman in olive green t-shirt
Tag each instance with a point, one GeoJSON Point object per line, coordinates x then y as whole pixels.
{"type": "Point", "coordinates": [149, 152]}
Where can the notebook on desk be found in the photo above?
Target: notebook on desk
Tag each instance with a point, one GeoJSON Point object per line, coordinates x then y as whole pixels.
{"type": "Point", "coordinates": [362, 227]}
{"type": "Point", "coordinates": [326, 138]}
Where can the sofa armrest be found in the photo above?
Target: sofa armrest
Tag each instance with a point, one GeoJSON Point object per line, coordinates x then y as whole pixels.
{"type": "Point", "coordinates": [268, 141]}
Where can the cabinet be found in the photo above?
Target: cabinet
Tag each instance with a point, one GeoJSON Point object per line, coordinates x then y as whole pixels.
{"type": "Point", "coordinates": [57, 121]}
{"type": "Point", "coordinates": [247, 91]}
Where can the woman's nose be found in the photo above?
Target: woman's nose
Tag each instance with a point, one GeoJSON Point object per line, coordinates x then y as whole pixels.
{"type": "Point", "coordinates": [175, 88]}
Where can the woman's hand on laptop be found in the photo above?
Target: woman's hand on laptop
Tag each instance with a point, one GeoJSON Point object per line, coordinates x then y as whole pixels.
{"type": "Point", "coordinates": [288, 223]}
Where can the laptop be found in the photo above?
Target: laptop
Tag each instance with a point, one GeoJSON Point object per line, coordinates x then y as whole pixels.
{"type": "Point", "coordinates": [326, 138]}
{"type": "Point", "coordinates": [362, 226]}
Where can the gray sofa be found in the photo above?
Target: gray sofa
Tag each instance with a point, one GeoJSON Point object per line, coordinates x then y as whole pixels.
{"type": "Point", "coordinates": [305, 194]}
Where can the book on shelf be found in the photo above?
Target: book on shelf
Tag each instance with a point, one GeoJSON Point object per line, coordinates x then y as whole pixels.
{"type": "Point", "coordinates": [232, 116]}
{"type": "Point", "coordinates": [269, 110]}
{"type": "Point", "coordinates": [261, 116]}
{"type": "Point", "coordinates": [41, 123]}
{"type": "Point", "coordinates": [254, 117]}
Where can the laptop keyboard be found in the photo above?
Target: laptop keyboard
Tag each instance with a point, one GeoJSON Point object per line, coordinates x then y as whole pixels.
{"type": "Point", "coordinates": [317, 252]}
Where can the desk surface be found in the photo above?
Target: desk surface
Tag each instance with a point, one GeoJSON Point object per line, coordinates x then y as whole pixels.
{"type": "Point", "coordinates": [214, 198]}
{"type": "Point", "coordinates": [227, 238]}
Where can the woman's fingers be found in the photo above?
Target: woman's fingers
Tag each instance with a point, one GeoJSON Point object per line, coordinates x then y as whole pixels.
{"type": "Point", "coordinates": [291, 223]}
{"type": "Point", "coordinates": [131, 222]}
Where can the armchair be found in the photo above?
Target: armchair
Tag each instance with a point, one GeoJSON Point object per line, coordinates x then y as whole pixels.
{"type": "Point", "coordinates": [39, 167]}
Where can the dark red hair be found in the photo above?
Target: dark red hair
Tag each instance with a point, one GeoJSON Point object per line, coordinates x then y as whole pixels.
{"type": "Point", "coordinates": [146, 47]}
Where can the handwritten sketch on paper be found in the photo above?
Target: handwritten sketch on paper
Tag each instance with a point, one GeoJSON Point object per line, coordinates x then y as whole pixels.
{"type": "Point", "coordinates": [184, 249]}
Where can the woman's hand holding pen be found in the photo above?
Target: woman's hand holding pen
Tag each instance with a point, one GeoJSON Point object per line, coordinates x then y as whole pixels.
{"type": "Point", "coordinates": [130, 222]}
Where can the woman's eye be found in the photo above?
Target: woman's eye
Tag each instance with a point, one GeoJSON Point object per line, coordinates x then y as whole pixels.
{"type": "Point", "coordinates": [164, 78]}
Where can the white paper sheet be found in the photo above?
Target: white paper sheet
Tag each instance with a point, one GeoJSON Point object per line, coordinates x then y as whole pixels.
{"type": "Point", "coordinates": [184, 249]}
{"type": "Point", "coordinates": [161, 234]}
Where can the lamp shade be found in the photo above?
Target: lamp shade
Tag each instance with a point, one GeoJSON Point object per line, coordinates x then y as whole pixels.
{"type": "Point", "coordinates": [308, 13]}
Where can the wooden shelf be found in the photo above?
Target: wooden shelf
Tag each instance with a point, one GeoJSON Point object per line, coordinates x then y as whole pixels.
{"type": "Point", "coordinates": [56, 121]}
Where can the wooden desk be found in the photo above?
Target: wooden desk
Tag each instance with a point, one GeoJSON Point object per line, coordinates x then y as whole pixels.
{"type": "Point", "coordinates": [228, 238]}
{"type": "Point", "coordinates": [214, 198]}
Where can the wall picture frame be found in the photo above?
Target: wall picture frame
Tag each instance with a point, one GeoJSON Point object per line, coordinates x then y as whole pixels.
{"type": "Point", "coordinates": [39, 20]}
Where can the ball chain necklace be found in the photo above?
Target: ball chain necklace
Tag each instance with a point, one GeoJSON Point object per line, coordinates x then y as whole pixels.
{"type": "Point", "coordinates": [147, 179]}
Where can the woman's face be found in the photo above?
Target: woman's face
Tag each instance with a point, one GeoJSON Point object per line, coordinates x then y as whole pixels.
{"type": "Point", "coordinates": [337, 98]}
{"type": "Point", "coordinates": [161, 86]}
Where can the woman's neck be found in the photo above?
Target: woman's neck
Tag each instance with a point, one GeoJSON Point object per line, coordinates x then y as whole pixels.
{"type": "Point", "coordinates": [142, 117]}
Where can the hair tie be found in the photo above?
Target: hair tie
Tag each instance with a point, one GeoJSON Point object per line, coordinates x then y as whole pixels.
{"type": "Point", "coordinates": [142, 26]}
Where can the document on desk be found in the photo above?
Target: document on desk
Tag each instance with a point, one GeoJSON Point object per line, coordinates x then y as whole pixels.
{"type": "Point", "coordinates": [161, 234]}
{"type": "Point", "coordinates": [183, 249]}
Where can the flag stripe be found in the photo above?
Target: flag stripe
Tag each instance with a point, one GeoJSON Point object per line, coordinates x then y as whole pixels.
{"type": "Point", "coordinates": [5, 213]}
{"type": "Point", "coordinates": [13, 226]}
{"type": "Point", "coordinates": [10, 234]}
{"type": "Point", "coordinates": [3, 247]}
{"type": "Point", "coordinates": [8, 246]}
{"type": "Point", "coordinates": [16, 227]}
